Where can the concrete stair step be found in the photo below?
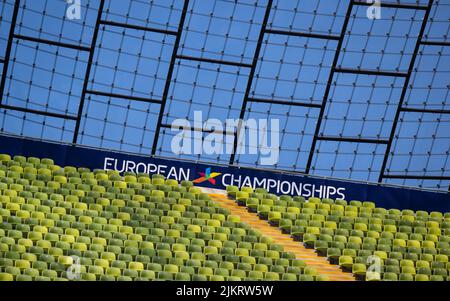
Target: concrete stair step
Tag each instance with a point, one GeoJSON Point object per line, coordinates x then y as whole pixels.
{"type": "Point", "coordinates": [322, 266]}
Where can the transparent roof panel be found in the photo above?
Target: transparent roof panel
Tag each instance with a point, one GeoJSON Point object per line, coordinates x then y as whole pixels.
{"type": "Point", "coordinates": [46, 19]}
{"type": "Point", "coordinates": [375, 45]}
{"type": "Point", "coordinates": [159, 14]}
{"type": "Point", "coordinates": [421, 145]}
{"type": "Point", "coordinates": [361, 106]}
{"type": "Point", "coordinates": [195, 137]}
{"type": "Point", "coordinates": [295, 69]}
{"type": "Point", "coordinates": [422, 183]}
{"type": "Point", "coordinates": [429, 85]}
{"type": "Point", "coordinates": [6, 12]}
{"type": "Point", "coordinates": [359, 161]}
{"type": "Point", "coordinates": [438, 27]}
{"type": "Point", "coordinates": [296, 130]}
{"type": "Point", "coordinates": [45, 77]}
{"type": "Point", "coordinates": [421, 3]}
{"type": "Point", "coordinates": [317, 16]}
{"type": "Point", "coordinates": [36, 126]}
{"type": "Point", "coordinates": [119, 124]}
{"type": "Point", "coordinates": [130, 62]}
{"type": "Point", "coordinates": [215, 90]}
{"type": "Point", "coordinates": [222, 29]}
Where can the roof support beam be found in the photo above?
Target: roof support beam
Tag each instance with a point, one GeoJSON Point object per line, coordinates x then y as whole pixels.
{"type": "Point", "coordinates": [88, 71]}
{"type": "Point", "coordinates": [404, 90]}
{"type": "Point", "coordinates": [250, 77]}
{"type": "Point", "coordinates": [169, 76]}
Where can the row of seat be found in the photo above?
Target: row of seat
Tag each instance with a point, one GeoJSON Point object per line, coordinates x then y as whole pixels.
{"type": "Point", "coordinates": [410, 245]}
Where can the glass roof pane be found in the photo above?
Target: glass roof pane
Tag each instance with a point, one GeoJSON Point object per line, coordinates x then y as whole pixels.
{"type": "Point", "coordinates": [118, 124]}
{"type": "Point", "coordinates": [428, 184]}
{"type": "Point", "coordinates": [438, 27]}
{"type": "Point", "coordinates": [348, 160]}
{"type": "Point", "coordinates": [296, 131]}
{"type": "Point", "coordinates": [6, 11]}
{"type": "Point", "coordinates": [215, 90]}
{"type": "Point", "coordinates": [196, 138]}
{"type": "Point", "coordinates": [46, 19]}
{"type": "Point", "coordinates": [421, 145]}
{"type": "Point", "coordinates": [295, 69]}
{"type": "Point", "coordinates": [45, 77]}
{"type": "Point", "coordinates": [317, 16]}
{"type": "Point", "coordinates": [386, 45]}
{"type": "Point", "coordinates": [361, 106]}
{"type": "Point", "coordinates": [36, 126]}
{"type": "Point", "coordinates": [131, 62]}
{"type": "Point", "coordinates": [160, 14]}
{"type": "Point", "coordinates": [221, 29]}
{"type": "Point", "coordinates": [302, 76]}
{"type": "Point", "coordinates": [429, 80]}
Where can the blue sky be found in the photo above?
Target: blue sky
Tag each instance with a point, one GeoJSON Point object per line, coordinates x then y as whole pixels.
{"type": "Point", "coordinates": [135, 63]}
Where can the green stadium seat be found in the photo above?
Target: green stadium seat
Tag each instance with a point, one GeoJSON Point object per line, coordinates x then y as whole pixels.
{"type": "Point", "coordinates": [133, 227]}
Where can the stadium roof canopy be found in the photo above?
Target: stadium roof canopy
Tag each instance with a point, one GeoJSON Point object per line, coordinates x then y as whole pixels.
{"type": "Point", "coordinates": [357, 97]}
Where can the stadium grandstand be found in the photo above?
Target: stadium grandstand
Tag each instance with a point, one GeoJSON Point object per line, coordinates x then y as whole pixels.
{"type": "Point", "coordinates": [224, 140]}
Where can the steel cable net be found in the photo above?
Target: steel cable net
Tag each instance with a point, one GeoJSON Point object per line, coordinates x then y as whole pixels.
{"type": "Point", "coordinates": [357, 96]}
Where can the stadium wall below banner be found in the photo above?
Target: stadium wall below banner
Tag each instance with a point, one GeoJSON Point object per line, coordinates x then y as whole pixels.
{"type": "Point", "coordinates": [219, 176]}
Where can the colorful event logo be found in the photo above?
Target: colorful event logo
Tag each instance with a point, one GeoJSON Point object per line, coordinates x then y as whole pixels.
{"type": "Point", "coordinates": [207, 176]}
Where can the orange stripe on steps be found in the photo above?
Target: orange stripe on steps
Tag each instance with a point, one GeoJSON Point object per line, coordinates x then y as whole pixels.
{"type": "Point", "coordinates": [322, 266]}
